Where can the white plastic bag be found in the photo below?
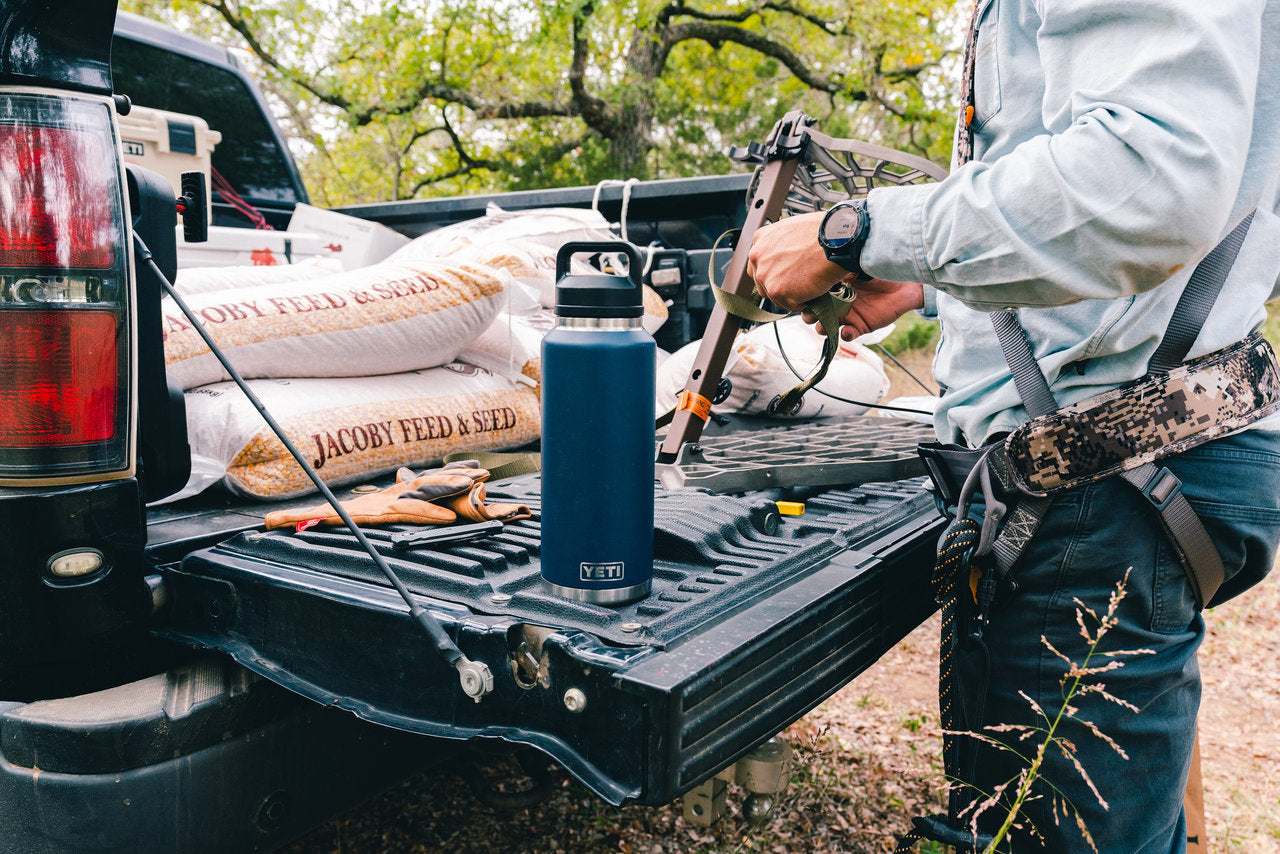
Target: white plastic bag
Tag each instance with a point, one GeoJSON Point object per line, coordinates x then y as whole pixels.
{"type": "Point", "coordinates": [759, 374]}
{"type": "Point", "coordinates": [202, 280]}
{"type": "Point", "coordinates": [512, 345]}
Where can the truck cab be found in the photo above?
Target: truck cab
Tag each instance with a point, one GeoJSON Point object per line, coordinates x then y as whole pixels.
{"type": "Point", "coordinates": [173, 677]}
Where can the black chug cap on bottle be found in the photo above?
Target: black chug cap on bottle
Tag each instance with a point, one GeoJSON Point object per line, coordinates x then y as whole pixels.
{"type": "Point", "coordinates": [598, 294]}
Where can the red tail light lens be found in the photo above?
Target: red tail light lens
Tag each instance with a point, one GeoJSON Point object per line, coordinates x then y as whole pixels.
{"type": "Point", "coordinates": [57, 206]}
{"type": "Point", "coordinates": [64, 313]}
{"type": "Point", "coordinates": [59, 383]}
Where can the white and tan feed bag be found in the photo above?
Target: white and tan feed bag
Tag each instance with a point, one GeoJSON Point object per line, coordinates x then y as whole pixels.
{"type": "Point", "coordinates": [549, 227]}
{"type": "Point", "coordinates": [382, 319]}
{"type": "Point", "coordinates": [525, 244]}
{"type": "Point", "coordinates": [356, 428]}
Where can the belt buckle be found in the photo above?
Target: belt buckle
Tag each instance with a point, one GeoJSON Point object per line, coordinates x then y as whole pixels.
{"type": "Point", "coordinates": [993, 509]}
{"type": "Point", "coordinates": [939, 480]}
{"type": "Point", "coordinates": [1162, 489]}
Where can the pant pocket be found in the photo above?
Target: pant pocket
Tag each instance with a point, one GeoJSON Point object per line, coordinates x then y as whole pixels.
{"type": "Point", "coordinates": [1173, 602]}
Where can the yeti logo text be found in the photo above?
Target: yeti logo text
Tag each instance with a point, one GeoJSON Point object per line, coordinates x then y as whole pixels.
{"type": "Point", "coordinates": [601, 571]}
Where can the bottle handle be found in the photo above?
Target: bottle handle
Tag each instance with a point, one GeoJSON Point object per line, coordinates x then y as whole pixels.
{"type": "Point", "coordinates": [572, 248]}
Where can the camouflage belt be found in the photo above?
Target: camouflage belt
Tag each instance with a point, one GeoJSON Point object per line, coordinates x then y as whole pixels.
{"type": "Point", "coordinates": [1142, 421]}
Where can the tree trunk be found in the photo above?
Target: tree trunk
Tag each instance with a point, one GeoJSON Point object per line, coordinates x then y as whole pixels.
{"type": "Point", "coordinates": [633, 140]}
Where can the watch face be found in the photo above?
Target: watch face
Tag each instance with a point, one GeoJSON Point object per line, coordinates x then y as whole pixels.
{"type": "Point", "coordinates": [842, 224]}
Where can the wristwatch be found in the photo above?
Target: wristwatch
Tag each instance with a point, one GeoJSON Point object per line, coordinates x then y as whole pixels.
{"type": "Point", "coordinates": [843, 232]}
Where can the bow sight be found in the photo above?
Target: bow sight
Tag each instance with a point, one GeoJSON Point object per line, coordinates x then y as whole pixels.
{"type": "Point", "coordinates": [797, 170]}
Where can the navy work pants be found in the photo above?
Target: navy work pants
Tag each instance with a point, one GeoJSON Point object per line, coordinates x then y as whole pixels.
{"type": "Point", "coordinates": [1089, 539]}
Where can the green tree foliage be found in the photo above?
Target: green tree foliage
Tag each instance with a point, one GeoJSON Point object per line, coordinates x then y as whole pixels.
{"type": "Point", "coordinates": [392, 99]}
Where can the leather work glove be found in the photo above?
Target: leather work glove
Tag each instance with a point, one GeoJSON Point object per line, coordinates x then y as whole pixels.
{"type": "Point", "coordinates": [426, 505]}
{"type": "Point", "coordinates": [472, 506]}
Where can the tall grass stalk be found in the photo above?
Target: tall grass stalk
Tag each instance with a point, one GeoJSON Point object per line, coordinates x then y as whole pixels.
{"type": "Point", "coordinates": [1080, 679]}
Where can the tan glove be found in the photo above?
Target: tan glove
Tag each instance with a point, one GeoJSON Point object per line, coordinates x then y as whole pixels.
{"type": "Point", "coordinates": [472, 506]}
{"type": "Point", "coordinates": [393, 504]}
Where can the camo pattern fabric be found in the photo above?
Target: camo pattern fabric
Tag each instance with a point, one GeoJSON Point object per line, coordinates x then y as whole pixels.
{"type": "Point", "coordinates": [1146, 419]}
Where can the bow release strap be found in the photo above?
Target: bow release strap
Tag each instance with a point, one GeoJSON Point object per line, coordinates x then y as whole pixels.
{"type": "Point", "coordinates": [830, 309]}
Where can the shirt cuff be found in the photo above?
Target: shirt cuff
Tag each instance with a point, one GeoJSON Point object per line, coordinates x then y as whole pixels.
{"type": "Point", "coordinates": [929, 311]}
{"type": "Point", "coordinates": [895, 248]}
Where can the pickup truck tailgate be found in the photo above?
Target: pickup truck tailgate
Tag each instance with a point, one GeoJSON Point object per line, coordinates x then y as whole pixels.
{"type": "Point", "coordinates": [753, 621]}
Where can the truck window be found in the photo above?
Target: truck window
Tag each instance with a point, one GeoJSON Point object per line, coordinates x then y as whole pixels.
{"type": "Point", "coordinates": [249, 155]}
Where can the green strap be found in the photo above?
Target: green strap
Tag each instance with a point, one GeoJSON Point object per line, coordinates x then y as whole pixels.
{"type": "Point", "coordinates": [830, 308]}
{"type": "Point", "coordinates": [747, 308]}
{"type": "Point", "coordinates": [499, 465]}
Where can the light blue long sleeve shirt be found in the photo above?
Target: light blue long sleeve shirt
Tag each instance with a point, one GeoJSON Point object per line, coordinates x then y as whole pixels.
{"type": "Point", "coordinates": [1115, 143]}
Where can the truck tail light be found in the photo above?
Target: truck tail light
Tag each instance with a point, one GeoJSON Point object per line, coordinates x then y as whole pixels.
{"type": "Point", "coordinates": [65, 328]}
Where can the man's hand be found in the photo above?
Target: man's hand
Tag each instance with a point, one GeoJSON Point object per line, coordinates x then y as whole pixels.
{"type": "Point", "coordinates": [879, 302]}
{"type": "Point", "coordinates": [789, 267]}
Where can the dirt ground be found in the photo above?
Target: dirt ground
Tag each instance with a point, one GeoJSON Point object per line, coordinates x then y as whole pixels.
{"type": "Point", "coordinates": [1240, 722]}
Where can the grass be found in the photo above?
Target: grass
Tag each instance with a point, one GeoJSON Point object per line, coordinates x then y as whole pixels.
{"type": "Point", "coordinates": [912, 332]}
{"type": "Point", "coordinates": [1079, 679]}
{"type": "Point", "coordinates": [1271, 328]}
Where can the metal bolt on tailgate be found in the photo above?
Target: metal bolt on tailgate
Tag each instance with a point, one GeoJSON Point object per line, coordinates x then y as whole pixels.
{"type": "Point", "coordinates": [575, 701]}
{"type": "Point", "coordinates": [475, 677]}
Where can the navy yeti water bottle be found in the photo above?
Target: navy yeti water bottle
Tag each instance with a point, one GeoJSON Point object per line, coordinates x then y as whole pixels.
{"type": "Point", "coordinates": [598, 435]}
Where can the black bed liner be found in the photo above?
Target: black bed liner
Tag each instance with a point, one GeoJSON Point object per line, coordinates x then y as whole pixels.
{"type": "Point", "coordinates": [723, 654]}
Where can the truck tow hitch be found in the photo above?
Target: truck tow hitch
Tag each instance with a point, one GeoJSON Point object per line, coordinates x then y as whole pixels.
{"type": "Point", "coordinates": [763, 773]}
